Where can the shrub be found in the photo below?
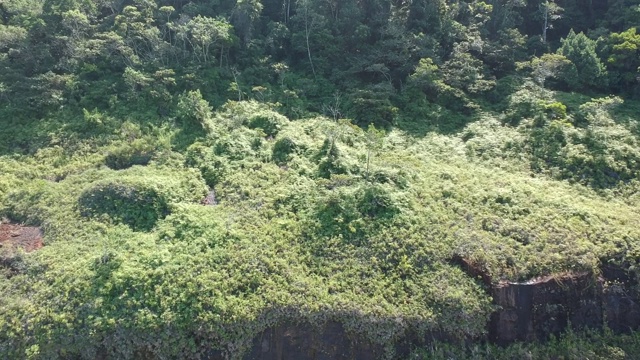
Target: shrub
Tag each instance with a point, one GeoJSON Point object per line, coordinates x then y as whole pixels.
{"type": "Point", "coordinates": [528, 102]}
{"type": "Point", "coordinates": [556, 110]}
{"type": "Point", "coordinates": [190, 222]}
{"type": "Point", "coordinates": [138, 205]}
{"type": "Point", "coordinates": [138, 152]}
{"type": "Point", "coordinates": [192, 107]}
{"type": "Point", "coordinates": [138, 200]}
{"type": "Point", "coordinates": [330, 162]}
{"type": "Point", "coordinates": [269, 121]}
{"type": "Point", "coordinates": [376, 202]}
{"type": "Point", "coordinates": [282, 150]}
{"type": "Point", "coordinates": [213, 168]}
{"type": "Point", "coordinates": [351, 211]}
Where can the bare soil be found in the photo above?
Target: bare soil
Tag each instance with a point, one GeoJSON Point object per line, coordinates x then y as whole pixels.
{"type": "Point", "coordinates": [29, 238]}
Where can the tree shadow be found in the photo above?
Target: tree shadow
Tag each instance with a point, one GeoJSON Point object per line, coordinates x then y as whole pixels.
{"type": "Point", "coordinates": [435, 120]}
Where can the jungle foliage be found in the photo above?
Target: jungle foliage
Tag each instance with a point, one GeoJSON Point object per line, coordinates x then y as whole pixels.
{"type": "Point", "coordinates": [346, 150]}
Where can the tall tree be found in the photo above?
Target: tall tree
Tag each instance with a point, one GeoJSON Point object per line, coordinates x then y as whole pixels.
{"type": "Point", "coordinates": [623, 60]}
{"type": "Point", "coordinates": [309, 21]}
{"type": "Point", "coordinates": [205, 33]}
{"type": "Point", "coordinates": [243, 17]}
{"type": "Point", "coordinates": [581, 51]}
{"type": "Point", "coordinates": [549, 12]}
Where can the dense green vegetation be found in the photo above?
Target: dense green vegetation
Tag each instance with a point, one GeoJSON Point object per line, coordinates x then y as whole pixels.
{"type": "Point", "coordinates": [570, 346]}
{"type": "Point", "coordinates": [352, 149]}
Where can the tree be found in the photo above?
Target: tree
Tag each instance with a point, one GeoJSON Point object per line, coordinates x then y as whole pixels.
{"type": "Point", "coordinates": [505, 15]}
{"type": "Point", "coordinates": [136, 26]}
{"type": "Point", "coordinates": [550, 12]}
{"type": "Point", "coordinates": [309, 21]}
{"type": "Point", "coordinates": [78, 26]}
{"type": "Point", "coordinates": [466, 72]}
{"type": "Point", "coordinates": [502, 53]}
{"type": "Point", "coordinates": [194, 108]}
{"type": "Point", "coordinates": [373, 106]}
{"type": "Point", "coordinates": [281, 70]}
{"type": "Point", "coordinates": [206, 33]}
{"type": "Point", "coordinates": [374, 139]}
{"type": "Point", "coordinates": [427, 15]}
{"type": "Point", "coordinates": [426, 76]}
{"type": "Point", "coordinates": [554, 66]}
{"type": "Point", "coordinates": [136, 80]}
{"type": "Point", "coordinates": [333, 107]}
{"type": "Point", "coordinates": [582, 52]}
{"type": "Point", "coordinates": [12, 37]}
{"type": "Point", "coordinates": [624, 58]}
{"type": "Point", "coordinates": [622, 14]}
{"type": "Point", "coordinates": [243, 17]}
{"type": "Point", "coordinates": [77, 23]}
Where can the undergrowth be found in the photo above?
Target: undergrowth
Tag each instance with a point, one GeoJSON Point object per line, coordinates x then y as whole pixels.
{"type": "Point", "coordinates": [315, 220]}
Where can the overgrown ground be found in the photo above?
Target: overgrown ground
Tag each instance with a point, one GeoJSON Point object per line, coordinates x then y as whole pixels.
{"type": "Point", "coordinates": [313, 220]}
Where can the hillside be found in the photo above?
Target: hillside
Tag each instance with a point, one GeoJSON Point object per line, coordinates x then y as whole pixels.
{"type": "Point", "coordinates": [283, 180]}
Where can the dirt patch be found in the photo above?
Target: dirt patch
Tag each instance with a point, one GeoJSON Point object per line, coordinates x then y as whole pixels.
{"type": "Point", "coordinates": [210, 199]}
{"type": "Point", "coordinates": [28, 238]}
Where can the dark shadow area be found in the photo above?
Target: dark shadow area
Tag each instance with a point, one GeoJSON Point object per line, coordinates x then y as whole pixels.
{"type": "Point", "coordinates": [432, 118]}
{"type": "Point", "coordinates": [186, 135]}
{"type": "Point", "coordinates": [137, 205]}
{"type": "Point", "coordinates": [330, 340]}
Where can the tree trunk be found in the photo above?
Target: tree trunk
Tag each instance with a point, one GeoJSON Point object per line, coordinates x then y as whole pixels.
{"type": "Point", "coordinates": [546, 23]}
{"type": "Point", "coordinates": [307, 33]}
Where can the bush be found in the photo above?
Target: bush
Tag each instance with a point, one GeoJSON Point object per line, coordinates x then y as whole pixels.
{"type": "Point", "coordinates": [138, 152]}
{"type": "Point", "coordinates": [138, 200]}
{"type": "Point", "coordinates": [282, 150]}
{"type": "Point", "coordinates": [375, 202]}
{"type": "Point", "coordinates": [269, 121]}
{"type": "Point", "coordinates": [213, 168]}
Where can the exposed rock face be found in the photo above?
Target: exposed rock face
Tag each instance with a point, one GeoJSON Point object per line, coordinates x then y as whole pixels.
{"type": "Point", "coordinates": [534, 310]}
{"type": "Point", "coordinates": [304, 342]}
{"type": "Point", "coordinates": [621, 303]}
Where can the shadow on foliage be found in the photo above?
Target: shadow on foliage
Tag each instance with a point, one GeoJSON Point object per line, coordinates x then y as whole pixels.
{"type": "Point", "coordinates": [349, 215]}
{"type": "Point", "coordinates": [139, 206]}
